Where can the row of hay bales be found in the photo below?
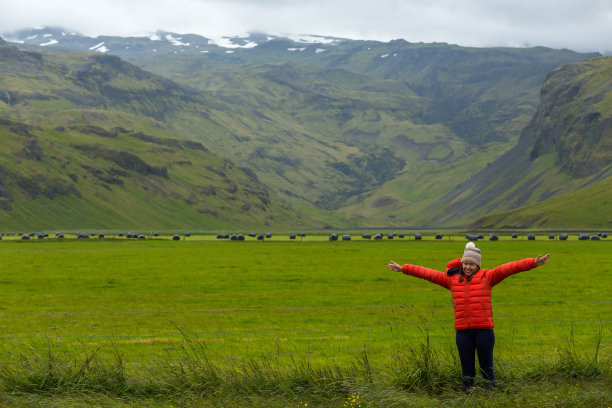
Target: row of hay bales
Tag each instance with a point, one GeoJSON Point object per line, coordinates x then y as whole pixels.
{"type": "Point", "coordinates": [82, 235]}
{"type": "Point", "coordinates": [259, 237]}
{"type": "Point", "coordinates": [532, 237]}
{"type": "Point", "coordinates": [332, 236]}
{"type": "Point", "coordinates": [469, 237]}
{"type": "Point", "coordinates": [379, 236]}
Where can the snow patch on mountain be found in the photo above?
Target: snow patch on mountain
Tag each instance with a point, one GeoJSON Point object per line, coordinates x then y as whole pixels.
{"type": "Point", "coordinates": [176, 41]}
{"type": "Point", "coordinates": [229, 42]}
{"type": "Point", "coordinates": [44, 36]}
{"type": "Point", "coordinates": [50, 42]}
{"type": "Point", "coordinates": [99, 48]}
{"type": "Point", "coordinates": [312, 39]}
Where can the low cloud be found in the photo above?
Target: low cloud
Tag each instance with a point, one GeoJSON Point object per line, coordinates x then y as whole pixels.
{"type": "Point", "coordinates": [574, 24]}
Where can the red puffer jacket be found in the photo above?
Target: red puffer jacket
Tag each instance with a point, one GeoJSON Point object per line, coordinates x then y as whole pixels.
{"type": "Point", "coordinates": [471, 300]}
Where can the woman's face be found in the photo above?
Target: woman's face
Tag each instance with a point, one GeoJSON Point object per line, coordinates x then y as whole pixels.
{"type": "Point", "coordinates": [469, 267]}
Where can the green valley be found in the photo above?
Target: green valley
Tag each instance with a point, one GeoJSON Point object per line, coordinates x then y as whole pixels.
{"type": "Point", "coordinates": [342, 134]}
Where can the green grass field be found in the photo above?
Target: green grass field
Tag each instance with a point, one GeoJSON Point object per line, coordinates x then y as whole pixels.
{"type": "Point", "coordinates": [281, 300]}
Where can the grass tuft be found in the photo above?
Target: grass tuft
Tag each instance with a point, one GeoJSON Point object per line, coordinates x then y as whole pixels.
{"type": "Point", "coordinates": [416, 376]}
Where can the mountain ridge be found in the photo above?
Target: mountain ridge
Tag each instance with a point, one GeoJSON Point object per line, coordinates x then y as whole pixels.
{"type": "Point", "coordinates": [348, 129]}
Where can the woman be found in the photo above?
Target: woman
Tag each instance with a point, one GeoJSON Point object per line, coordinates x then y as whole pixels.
{"type": "Point", "coordinates": [470, 288]}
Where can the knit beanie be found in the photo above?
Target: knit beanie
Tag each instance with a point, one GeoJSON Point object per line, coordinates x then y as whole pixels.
{"type": "Point", "coordinates": [471, 254]}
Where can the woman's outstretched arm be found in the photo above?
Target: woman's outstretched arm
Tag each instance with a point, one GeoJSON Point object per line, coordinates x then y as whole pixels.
{"type": "Point", "coordinates": [431, 275]}
{"type": "Point", "coordinates": [501, 272]}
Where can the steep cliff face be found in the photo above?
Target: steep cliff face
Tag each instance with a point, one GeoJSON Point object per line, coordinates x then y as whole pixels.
{"type": "Point", "coordinates": [575, 117]}
{"type": "Point", "coordinates": [566, 147]}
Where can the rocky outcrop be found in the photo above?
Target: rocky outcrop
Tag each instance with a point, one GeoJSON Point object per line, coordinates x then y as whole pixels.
{"type": "Point", "coordinates": [575, 117]}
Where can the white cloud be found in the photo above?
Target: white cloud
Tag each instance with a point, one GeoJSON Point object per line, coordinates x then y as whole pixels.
{"type": "Point", "coordinates": [583, 25]}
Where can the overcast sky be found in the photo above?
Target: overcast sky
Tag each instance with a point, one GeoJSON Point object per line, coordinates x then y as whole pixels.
{"type": "Point", "coordinates": [580, 25]}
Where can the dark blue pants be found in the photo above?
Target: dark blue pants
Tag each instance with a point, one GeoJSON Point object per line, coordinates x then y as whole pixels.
{"type": "Point", "coordinates": [473, 341]}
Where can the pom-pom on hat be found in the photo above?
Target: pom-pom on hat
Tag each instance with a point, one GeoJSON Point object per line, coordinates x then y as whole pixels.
{"type": "Point", "coordinates": [471, 254]}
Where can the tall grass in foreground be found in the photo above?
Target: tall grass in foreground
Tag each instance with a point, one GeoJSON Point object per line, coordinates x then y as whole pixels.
{"type": "Point", "coordinates": [413, 376]}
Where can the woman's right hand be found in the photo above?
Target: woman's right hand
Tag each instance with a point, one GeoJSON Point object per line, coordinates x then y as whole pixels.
{"type": "Point", "coordinates": [394, 266]}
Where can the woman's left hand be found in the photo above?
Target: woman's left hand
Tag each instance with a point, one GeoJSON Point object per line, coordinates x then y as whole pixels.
{"type": "Point", "coordinates": [541, 260]}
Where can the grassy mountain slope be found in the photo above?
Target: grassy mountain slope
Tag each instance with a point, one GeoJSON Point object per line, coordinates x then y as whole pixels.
{"type": "Point", "coordinates": [588, 207]}
{"type": "Point", "coordinates": [85, 143]}
{"type": "Point", "coordinates": [432, 107]}
{"type": "Point", "coordinates": [329, 132]}
{"type": "Point", "coordinates": [482, 95]}
{"type": "Point", "coordinates": [563, 160]}
{"type": "Point", "coordinates": [376, 131]}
